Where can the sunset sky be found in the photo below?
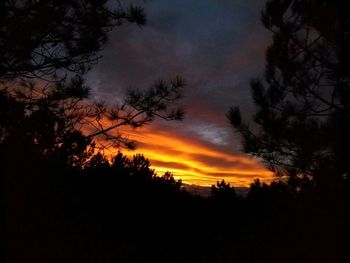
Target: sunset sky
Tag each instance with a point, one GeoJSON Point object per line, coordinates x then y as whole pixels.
{"type": "Point", "coordinates": [217, 47]}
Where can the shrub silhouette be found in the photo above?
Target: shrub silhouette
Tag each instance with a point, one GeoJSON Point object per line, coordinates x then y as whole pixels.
{"type": "Point", "coordinates": [223, 191]}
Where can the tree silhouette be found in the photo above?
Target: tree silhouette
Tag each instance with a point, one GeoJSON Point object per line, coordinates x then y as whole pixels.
{"type": "Point", "coordinates": [45, 39]}
{"type": "Point", "coordinates": [50, 111]}
{"type": "Point", "coordinates": [47, 46]}
{"type": "Point", "coordinates": [223, 191]}
{"type": "Point", "coordinates": [302, 117]}
{"type": "Point", "coordinates": [52, 177]}
{"type": "Point", "coordinates": [139, 108]}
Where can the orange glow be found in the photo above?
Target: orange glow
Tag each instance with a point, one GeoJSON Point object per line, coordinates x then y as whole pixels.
{"type": "Point", "coordinates": [194, 162]}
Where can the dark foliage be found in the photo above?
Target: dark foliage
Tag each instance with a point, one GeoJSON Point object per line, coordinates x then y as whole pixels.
{"type": "Point", "coordinates": [44, 39]}
{"type": "Point", "coordinates": [120, 210]}
{"type": "Point", "coordinates": [223, 192]}
{"type": "Point", "coordinates": [63, 107]}
{"type": "Point", "coordinates": [302, 113]}
{"type": "Point", "coordinates": [46, 47]}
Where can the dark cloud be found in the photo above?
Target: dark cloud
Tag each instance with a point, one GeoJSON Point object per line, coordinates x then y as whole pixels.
{"type": "Point", "coordinates": [217, 46]}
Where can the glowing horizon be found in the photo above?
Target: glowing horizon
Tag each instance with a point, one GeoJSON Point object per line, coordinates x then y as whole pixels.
{"type": "Point", "coordinates": [194, 162]}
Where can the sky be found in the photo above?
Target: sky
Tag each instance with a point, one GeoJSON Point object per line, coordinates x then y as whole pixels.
{"type": "Point", "coordinates": [217, 47]}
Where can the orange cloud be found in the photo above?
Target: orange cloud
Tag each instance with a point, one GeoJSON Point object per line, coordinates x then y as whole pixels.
{"type": "Point", "coordinates": [194, 161]}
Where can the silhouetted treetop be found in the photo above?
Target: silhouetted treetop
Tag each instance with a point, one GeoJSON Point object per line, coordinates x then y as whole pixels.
{"type": "Point", "coordinates": [45, 39]}
{"type": "Point", "coordinates": [223, 191]}
{"type": "Point", "coordinates": [303, 103]}
{"type": "Point", "coordinates": [48, 111]}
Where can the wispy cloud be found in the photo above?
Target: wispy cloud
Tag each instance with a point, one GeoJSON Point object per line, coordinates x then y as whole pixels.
{"type": "Point", "coordinates": [196, 161]}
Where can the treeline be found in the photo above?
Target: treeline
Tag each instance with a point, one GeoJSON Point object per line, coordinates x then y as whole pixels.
{"type": "Point", "coordinates": [121, 211]}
